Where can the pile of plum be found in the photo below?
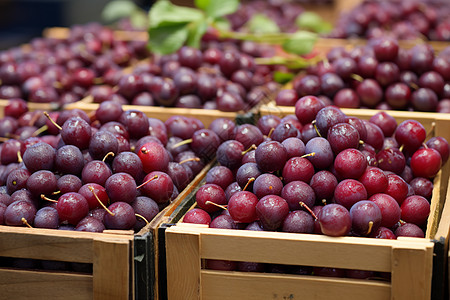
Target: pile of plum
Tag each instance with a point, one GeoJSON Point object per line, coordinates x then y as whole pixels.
{"type": "Point", "coordinates": [114, 169]}
{"type": "Point", "coordinates": [320, 171]}
{"type": "Point", "coordinates": [380, 75]}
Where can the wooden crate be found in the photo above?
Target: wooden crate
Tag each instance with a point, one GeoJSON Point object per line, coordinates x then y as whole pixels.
{"type": "Point", "coordinates": [109, 254]}
{"type": "Point", "coordinates": [164, 113]}
{"type": "Point", "coordinates": [32, 106]}
{"type": "Point", "coordinates": [123, 263]}
{"type": "Point", "coordinates": [61, 33]}
{"type": "Point", "coordinates": [417, 266]}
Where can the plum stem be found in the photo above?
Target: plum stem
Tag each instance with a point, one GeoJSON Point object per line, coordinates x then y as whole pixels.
{"type": "Point", "coordinates": [433, 127]}
{"type": "Point", "coordinates": [357, 77]}
{"type": "Point", "coordinates": [215, 204]}
{"type": "Point", "coordinates": [303, 204]}
{"type": "Point", "coordinates": [19, 157]}
{"type": "Point", "coordinates": [147, 181]}
{"type": "Point", "coordinates": [99, 201]}
{"type": "Point", "coordinates": [185, 142]}
{"type": "Point", "coordinates": [51, 120]}
{"type": "Point", "coordinates": [56, 193]}
{"type": "Point", "coordinates": [142, 217]}
{"type": "Point", "coordinates": [4, 139]}
{"type": "Point", "coordinates": [189, 159]}
{"type": "Point", "coordinates": [309, 154]}
{"type": "Point", "coordinates": [24, 221]}
{"type": "Point", "coordinates": [324, 201]}
{"type": "Point", "coordinates": [315, 128]}
{"type": "Point", "coordinates": [370, 227]}
{"type": "Point", "coordinates": [252, 147]}
{"type": "Point", "coordinates": [40, 130]}
{"type": "Point", "coordinates": [248, 182]}
{"type": "Point", "coordinates": [108, 154]}
{"type": "Point", "coordinates": [270, 132]}
{"type": "Point", "coordinates": [47, 199]}
{"type": "Point", "coordinates": [401, 148]}
{"type": "Point", "coordinates": [414, 86]}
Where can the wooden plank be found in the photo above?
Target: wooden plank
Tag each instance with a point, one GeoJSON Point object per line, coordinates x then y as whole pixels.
{"type": "Point", "coordinates": [411, 272]}
{"type": "Point", "coordinates": [50, 244]}
{"type": "Point", "coordinates": [51, 247]}
{"type": "Point", "coordinates": [61, 33]}
{"type": "Point", "coordinates": [316, 250]}
{"type": "Point", "coordinates": [183, 266]}
{"type": "Point", "coordinates": [253, 286]}
{"type": "Point", "coordinates": [32, 106]}
{"type": "Point", "coordinates": [21, 284]}
{"type": "Point", "coordinates": [111, 269]}
{"type": "Point", "coordinates": [163, 113]}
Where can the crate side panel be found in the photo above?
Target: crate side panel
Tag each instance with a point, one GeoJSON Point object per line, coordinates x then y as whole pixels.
{"type": "Point", "coordinates": [23, 284]}
{"type": "Point", "coordinates": [285, 249]}
{"type": "Point", "coordinates": [46, 247]}
{"type": "Point", "coordinates": [111, 269]}
{"type": "Point", "coordinates": [254, 286]}
{"type": "Point", "coordinates": [183, 266]}
{"type": "Point", "coordinates": [411, 272]}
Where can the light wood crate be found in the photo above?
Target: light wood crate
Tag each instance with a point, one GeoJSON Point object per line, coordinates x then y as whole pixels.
{"type": "Point", "coordinates": [164, 113]}
{"type": "Point", "coordinates": [123, 262]}
{"type": "Point", "coordinates": [417, 266]}
{"type": "Point", "coordinates": [32, 106]}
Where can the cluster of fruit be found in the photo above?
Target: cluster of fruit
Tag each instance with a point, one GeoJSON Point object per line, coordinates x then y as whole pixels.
{"type": "Point", "coordinates": [283, 13]}
{"type": "Point", "coordinates": [411, 19]}
{"type": "Point", "coordinates": [323, 172]}
{"type": "Point", "coordinates": [379, 75]}
{"type": "Point", "coordinates": [63, 71]}
{"type": "Point", "coordinates": [222, 76]}
{"type": "Point", "coordinates": [114, 170]}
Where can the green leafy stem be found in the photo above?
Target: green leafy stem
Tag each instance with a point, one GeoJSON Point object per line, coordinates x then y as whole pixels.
{"type": "Point", "coordinates": [172, 26]}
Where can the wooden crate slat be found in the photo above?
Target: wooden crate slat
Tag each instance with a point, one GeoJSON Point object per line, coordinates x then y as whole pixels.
{"type": "Point", "coordinates": [111, 269]}
{"type": "Point", "coordinates": [25, 284]}
{"type": "Point", "coordinates": [278, 247]}
{"type": "Point", "coordinates": [183, 266]}
{"type": "Point", "coordinates": [163, 113]}
{"type": "Point", "coordinates": [308, 251]}
{"type": "Point", "coordinates": [43, 247]}
{"type": "Point", "coordinates": [252, 286]}
{"type": "Point", "coordinates": [411, 272]}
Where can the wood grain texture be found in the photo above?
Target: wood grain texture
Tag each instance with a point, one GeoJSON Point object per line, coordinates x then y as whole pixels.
{"type": "Point", "coordinates": [21, 284]}
{"type": "Point", "coordinates": [411, 272]}
{"type": "Point", "coordinates": [183, 266]}
{"type": "Point", "coordinates": [217, 285]}
{"type": "Point", "coordinates": [163, 113]}
{"type": "Point", "coordinates": [112, 269]}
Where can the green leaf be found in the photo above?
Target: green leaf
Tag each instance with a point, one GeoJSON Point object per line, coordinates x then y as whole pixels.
{"type": "Point", "coordinates": [139, 19]}
{"type": "Point", "coordinates": [118, 9]}
{"type": "Point", "coordinates": [282, 77]}
{"type": "Point", "coordinates": [222, 24]}
{"type": "Point", "coordinates": [313, 22]}
{"type": "Point", "coordinates": [168, 39]}
{"type": "Point", "coordinates": [301, 42]}
{"type": "Point", "coordinates": [165, 13]}
{"type": "Point", "coordinates": [196, 32]}
{"type": "Point", "coordinates": [217, 8]}
{"type": "Point", "coordinates": [260, 23]}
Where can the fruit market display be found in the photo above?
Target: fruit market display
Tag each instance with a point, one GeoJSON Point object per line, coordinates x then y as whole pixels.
{"type": "Point", "coordinates": [322, 172]}
{"type": "Point", "coordinates": [62, 71]}
{"type": "Point", "coordinates": [410, 19]}
{"type": "Point", "coordinates": [378, 75]}
{"type": "Point", "coordinates": [115, 170]}
{"type": "Point", "coordinates": [222, 76]}
{"type": "Point", "coordinates": [318, 171]}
